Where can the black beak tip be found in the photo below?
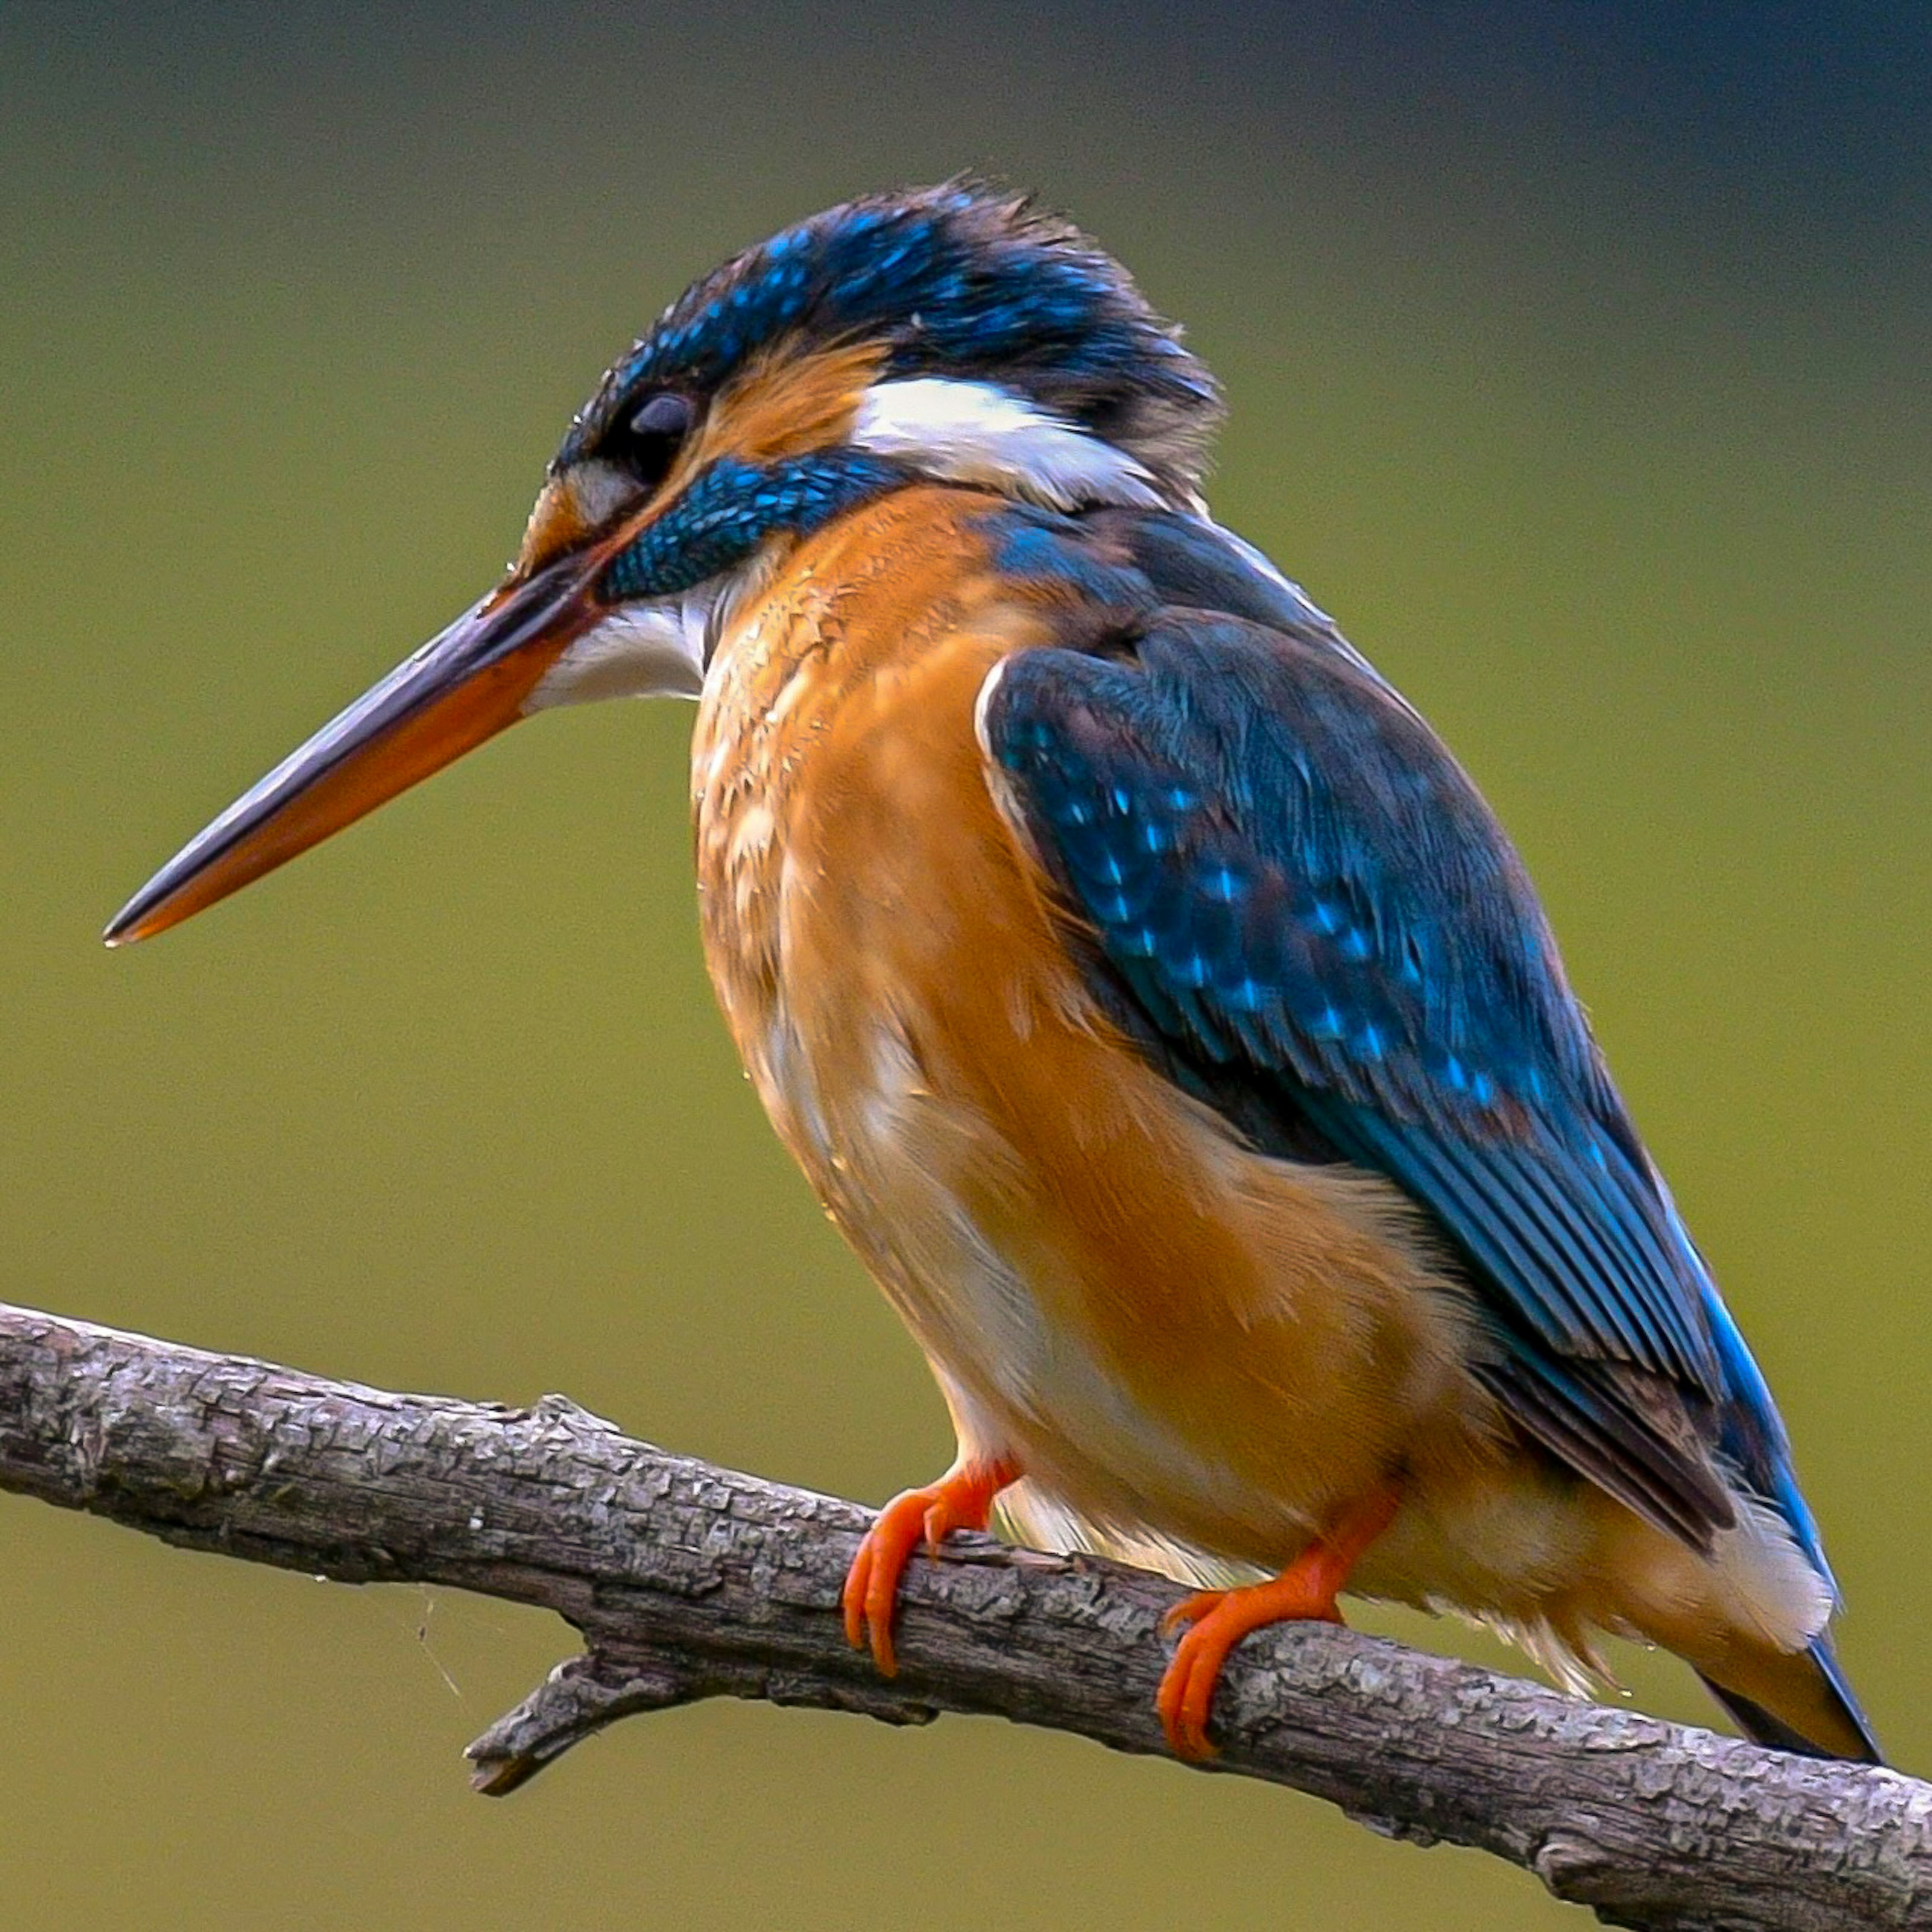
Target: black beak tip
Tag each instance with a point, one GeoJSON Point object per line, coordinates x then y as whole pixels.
{"type": "Point", "coordinates": [124, 928]}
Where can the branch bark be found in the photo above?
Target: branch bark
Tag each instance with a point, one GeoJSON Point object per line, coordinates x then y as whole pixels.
{"type": "Point", "coordinates": [688, 1581]}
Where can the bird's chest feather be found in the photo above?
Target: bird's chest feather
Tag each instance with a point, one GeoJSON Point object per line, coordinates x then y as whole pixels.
{"type": "Point", "coordinates": [850, 867]}
{"type": "Point", "coordinates": [1106, 1280]}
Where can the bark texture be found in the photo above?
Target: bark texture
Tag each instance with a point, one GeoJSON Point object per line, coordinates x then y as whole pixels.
{"type": "Point", "coordinates": [688, 1581]}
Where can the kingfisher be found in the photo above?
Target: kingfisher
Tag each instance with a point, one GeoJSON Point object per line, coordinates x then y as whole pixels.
{"type": "Point", "coordinates": [1152, 1001]}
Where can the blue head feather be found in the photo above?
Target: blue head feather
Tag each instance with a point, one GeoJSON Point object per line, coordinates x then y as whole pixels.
{"type": "Point", "coordinates": [958, 280]}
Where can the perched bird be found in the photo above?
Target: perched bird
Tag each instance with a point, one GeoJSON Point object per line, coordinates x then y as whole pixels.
{"type": "Point", "coordinates": [1152, 1002]}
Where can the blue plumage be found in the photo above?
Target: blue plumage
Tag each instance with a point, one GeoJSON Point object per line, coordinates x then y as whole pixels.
{"type": "Point", "coordinates": [958, 281]}
{"type": "Point", "coordinates": [1301, 901]}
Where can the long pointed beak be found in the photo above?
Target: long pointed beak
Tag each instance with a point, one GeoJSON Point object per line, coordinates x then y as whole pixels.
{"type": "Point", "coordinates": [465, 685]}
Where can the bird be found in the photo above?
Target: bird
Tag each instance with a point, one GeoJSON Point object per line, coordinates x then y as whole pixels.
{"type": "Point", "coordinates": [1152, 1001]}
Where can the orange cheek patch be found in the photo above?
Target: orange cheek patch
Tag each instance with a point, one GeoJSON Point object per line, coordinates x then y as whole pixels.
{"type": "Point", "coordinates": [783, 407]}
{"type": "Point", "coordinates": [557, 524]}
{"type": "Point", "coordinates": [777, 408]}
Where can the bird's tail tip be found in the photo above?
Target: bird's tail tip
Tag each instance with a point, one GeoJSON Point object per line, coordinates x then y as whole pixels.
{"type": "Point", "coordinates": [1815, 1715]}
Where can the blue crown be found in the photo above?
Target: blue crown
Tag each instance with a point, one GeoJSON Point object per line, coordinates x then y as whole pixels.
{"type": "Point", "coordinates": [958, 280]}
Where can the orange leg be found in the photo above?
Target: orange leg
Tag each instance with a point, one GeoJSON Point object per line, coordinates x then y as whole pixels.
{"type": "Point", "coordinates": [1217, 1620]}
{"type": "Point", "coordinates": [962, 1498]}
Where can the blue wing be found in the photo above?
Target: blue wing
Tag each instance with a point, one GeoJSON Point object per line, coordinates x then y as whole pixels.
{"type": "Point", "coordinates": [1298, 902]}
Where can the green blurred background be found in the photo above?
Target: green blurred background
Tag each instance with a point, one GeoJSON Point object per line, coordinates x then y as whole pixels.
{"type": "Point", "coordinates": [1577, 358]}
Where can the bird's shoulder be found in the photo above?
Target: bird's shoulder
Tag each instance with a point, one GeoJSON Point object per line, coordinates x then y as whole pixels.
{"type": "Point", "coordinates": [1217, 715]}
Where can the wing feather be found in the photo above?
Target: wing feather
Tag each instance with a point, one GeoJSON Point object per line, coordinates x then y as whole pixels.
{"type": "Point", "coordinates": [1293, 887]}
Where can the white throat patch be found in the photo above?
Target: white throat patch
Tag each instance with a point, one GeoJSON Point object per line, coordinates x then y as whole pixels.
{"type": "Point", "coordinates": [640, 650]}
{"type": "Point", "coordinates": [979, 433]}
{"type": "Point", "coordinates": [652, 650]}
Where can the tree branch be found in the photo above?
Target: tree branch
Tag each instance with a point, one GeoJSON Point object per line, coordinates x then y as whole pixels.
{"type": "Point", "coordinates": [689, 1581]}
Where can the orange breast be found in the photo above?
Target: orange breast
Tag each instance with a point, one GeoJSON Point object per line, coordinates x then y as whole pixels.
{"type": "Point", "coordinates": [1165, 1328]}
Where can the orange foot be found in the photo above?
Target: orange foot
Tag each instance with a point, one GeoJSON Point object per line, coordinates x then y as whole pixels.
{"type": "Point", "coordinates": [1217, 1620]}
{"type": "Point", "coordinates": [962, 1498]}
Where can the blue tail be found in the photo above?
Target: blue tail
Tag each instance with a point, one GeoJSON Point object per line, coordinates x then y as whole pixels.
{"type": "Point", "coordinates": [1754, 1442]}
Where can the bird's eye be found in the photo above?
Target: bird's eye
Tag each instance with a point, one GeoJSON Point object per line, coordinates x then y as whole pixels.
{"type": "Point", "coordinates": [647, 443]}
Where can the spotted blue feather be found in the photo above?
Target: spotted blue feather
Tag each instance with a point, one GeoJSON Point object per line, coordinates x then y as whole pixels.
{"type": "Point", "coordinates": [731, 508]}
{"type": "Point", "coordinates": [958, 281]}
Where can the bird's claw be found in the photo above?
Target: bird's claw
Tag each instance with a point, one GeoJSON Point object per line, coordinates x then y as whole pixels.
{"type": "Point", "coordinates": [961, 1499]}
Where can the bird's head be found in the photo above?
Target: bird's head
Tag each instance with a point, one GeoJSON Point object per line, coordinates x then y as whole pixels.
{"type": "Point", "coordinates": [953, 333]}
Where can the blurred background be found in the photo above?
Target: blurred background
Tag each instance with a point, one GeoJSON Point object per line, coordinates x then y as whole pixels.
{"type": "Point", "coordinates": [1578, 361]}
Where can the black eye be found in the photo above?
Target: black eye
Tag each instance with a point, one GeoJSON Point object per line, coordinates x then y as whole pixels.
{"type": "Point", "coordinates": [647, 443]}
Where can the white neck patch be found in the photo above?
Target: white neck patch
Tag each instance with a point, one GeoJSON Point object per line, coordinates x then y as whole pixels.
{"type": "Point", "coordinates": [979, 433]}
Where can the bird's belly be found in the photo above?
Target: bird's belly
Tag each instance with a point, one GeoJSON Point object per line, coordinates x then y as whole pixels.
{"type": "Point", "coordinates": [954, 1233]}
{"type": "Point", "coordinates": [1167, 1331]}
